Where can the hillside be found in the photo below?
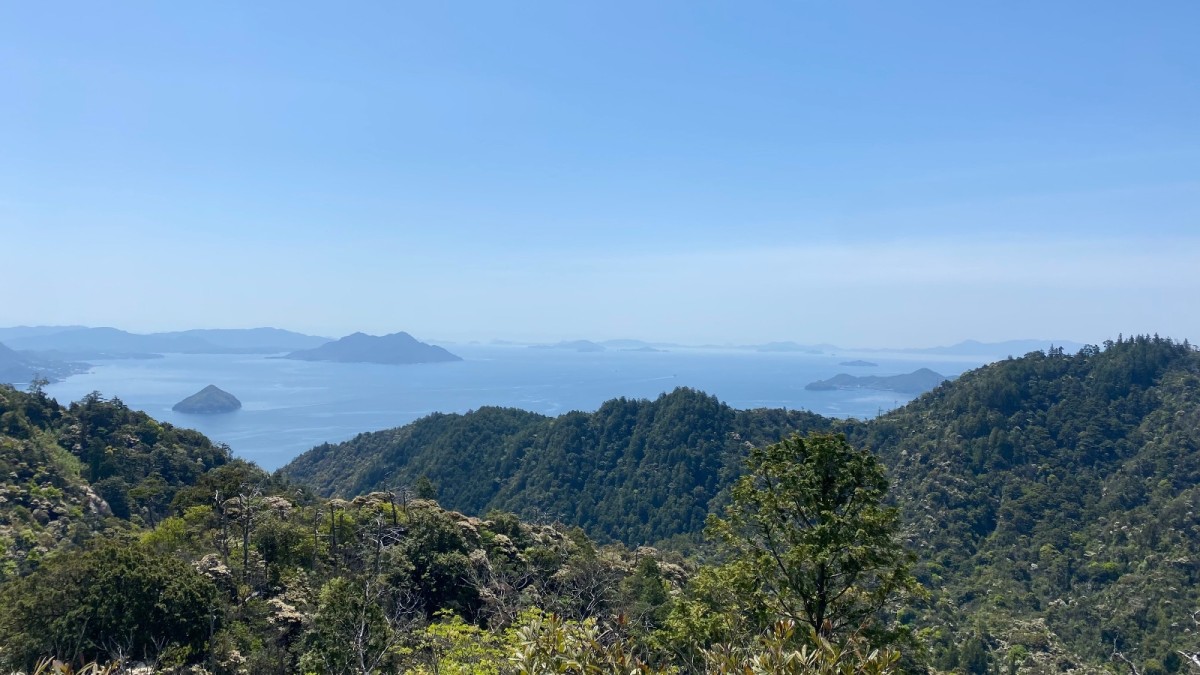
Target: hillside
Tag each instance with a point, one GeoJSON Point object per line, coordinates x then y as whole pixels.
{"type": "Point", "coordinates": [68, 472]}
{"type": "Point", "coordinates": [23, 367]}
{"type": "Point", "coordinates": [396, 348]}
{"type": "Point", "coordinates": [1052, 497]}
{"type": "Point", "coordinates": [1050, 501]}
{"type": "Point", "coordinates": [1062, 487]}
{"type": "Point", "coordinates": [125, 539]}
{"type": "Point", "coordinates": [635, 471]}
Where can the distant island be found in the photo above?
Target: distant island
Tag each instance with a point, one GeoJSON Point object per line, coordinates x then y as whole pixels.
{"type": "Point", "coordinates": [791, 347]}
{"type": "Point", "coordinates": [210, 400]}
{"type": "Point", "coordinates": [998, 349]}
{"type": "Point", "coordinates": [394, 349]}
{"type": "Point", "coordinates": [573, 345]}
{"type": "Point", "coordinates": [917, 382]}
{"type": "Point", "coordinates": [859, 364]}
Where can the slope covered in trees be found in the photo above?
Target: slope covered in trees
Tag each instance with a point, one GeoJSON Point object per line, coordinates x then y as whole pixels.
{"type": "Point", "coordinates": [635, 471]}
{"type": "Point", "coordinates": [1052, 496]}
{"type": "Point", "coordinates": [1049, 503]}
{"type": "Point", "coordinates": [95, 465]}
{"type": "Point", "coordinates": [1063, 488]}
{"type": "Point", "coordinates": [228, 571]}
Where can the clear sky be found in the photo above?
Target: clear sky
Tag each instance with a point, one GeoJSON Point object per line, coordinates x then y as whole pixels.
{"type": "Point", "coordinates": [863, 173]}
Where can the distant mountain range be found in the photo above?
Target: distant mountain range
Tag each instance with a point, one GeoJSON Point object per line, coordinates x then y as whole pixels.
{"type": "Point", "coordinates": [397, 348]}
{"type": "Point", "coordinates": [76, 342]}
{"type": "Point", "coordinates": [1006, 348]}
{"type": "Point", "coordinates": [964, 348]}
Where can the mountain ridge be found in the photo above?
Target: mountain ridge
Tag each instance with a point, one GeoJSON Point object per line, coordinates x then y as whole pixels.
{"type": "Point", "coordinates": [393, 349]}
{"type": "Point", "coordinates": [107, 342]}
{"type": "Point", "coordinates": [1052, 496]}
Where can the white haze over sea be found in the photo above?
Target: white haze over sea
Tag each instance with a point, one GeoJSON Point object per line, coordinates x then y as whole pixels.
{"type": "Point", "coordinates": [290, 406]}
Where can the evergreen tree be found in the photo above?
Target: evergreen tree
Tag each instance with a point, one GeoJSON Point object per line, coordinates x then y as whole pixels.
{"type": "Point", "coordinates": [807, 525]}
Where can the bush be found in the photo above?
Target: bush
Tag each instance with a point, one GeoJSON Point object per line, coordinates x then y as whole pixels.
{"type": "Point", "coordinates": [116, 600]}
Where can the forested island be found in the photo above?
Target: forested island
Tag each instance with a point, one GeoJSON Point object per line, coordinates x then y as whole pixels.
{"type": "Point", "coordinates": [1036, 515]}
{"type": "Point", "coordinates": [210, 400]}
{"type": "Point", "coordinates": [916, 382]}
{"type": "Point", "coordinates": [396, 348]}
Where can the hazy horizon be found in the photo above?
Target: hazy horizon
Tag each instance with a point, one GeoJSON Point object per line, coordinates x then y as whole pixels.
{"type": "Point", "coordinates": [864, 175]}
{"type": "Point", "coordinates": [544, 340]}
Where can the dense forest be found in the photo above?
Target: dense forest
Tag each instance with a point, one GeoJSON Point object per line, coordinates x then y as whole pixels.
{"type": "Point", "coordinates": [128, 543]}
{"type": "Point", "coordinates": [1051, 498]}
{"type": "Point", "coordinates": [1036, 515]}
{"type": "Point", "coordinates": [1060, 489]}
{"type": "Point", "coordinates": [635, 471]}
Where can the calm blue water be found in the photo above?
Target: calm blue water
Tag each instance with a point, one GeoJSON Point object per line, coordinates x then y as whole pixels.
{"type": "Point", "coordinates": [290, 406]}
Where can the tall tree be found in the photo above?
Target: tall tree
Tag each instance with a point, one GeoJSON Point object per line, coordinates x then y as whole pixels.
{"type": "Point", "coordinates": [807, 527]}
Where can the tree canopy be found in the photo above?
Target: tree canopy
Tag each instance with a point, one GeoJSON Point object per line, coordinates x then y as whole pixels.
{"type": "Point", "coordinates": [808, 525]}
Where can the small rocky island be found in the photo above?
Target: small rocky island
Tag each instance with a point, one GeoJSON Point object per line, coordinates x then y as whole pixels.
{"type": "Point", "coordinates": [859, 364]}
{"type": "Point", "coordinates": [208, 401]}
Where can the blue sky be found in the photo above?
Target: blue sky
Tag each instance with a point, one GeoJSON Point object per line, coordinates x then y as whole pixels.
{"type": "Point", "coordinates": [861, 173]}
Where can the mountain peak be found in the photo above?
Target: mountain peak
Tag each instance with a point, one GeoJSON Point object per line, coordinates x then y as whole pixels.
{"type": "Point", "coordinates": [394, 348]}
{"type": "Point", "coordinates": [210, 400]}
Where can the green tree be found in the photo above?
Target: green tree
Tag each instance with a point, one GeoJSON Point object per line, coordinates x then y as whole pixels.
{"type": "Point", "coordinates": [424, 488]}
{"type": "Point", "coordinates": [808, 528]}
{"type": "Point", "coordinates": [116, 600]}
{"type": "Point", "coordinates": [350, 633]}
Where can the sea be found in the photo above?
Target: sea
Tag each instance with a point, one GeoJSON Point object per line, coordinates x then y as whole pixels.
{"type": "Point", "coordinates": [290, 406]}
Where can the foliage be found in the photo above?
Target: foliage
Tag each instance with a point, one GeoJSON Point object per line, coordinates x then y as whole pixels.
{"type": "Point", "coordinates": [807, 528]}
{"type": "Point", "coordinates": [633, 471]}
{"type": "Point", "coordinates": [1050, 500]}
{"type": "Point", "coordinates": [775, 653]}
{"type": "Point", "coordinates": [1056, 487]}
{"type": "Point", "coordinates": [351, 632]}
{"type": "Point", "coordinates": [49, 666]}
{"type": "Point", "coordinates": [111, 602]}
{"type": "Point", "coordinates": [550, 644]}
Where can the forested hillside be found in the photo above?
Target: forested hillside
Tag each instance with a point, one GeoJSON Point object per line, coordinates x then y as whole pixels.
{"type": "Point", "coordinates": [635, 471]}
{"type": "Point", "coordinates": [197, 564]}
{"type": "Point", "coordinates": [1063, 487]}
{"type": "Point", "coordinates": [96, 465]}
{"type": "Point", "coordinates": [1047, 505]}
{"type": "Point", "coordinates": [1053, 496]}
